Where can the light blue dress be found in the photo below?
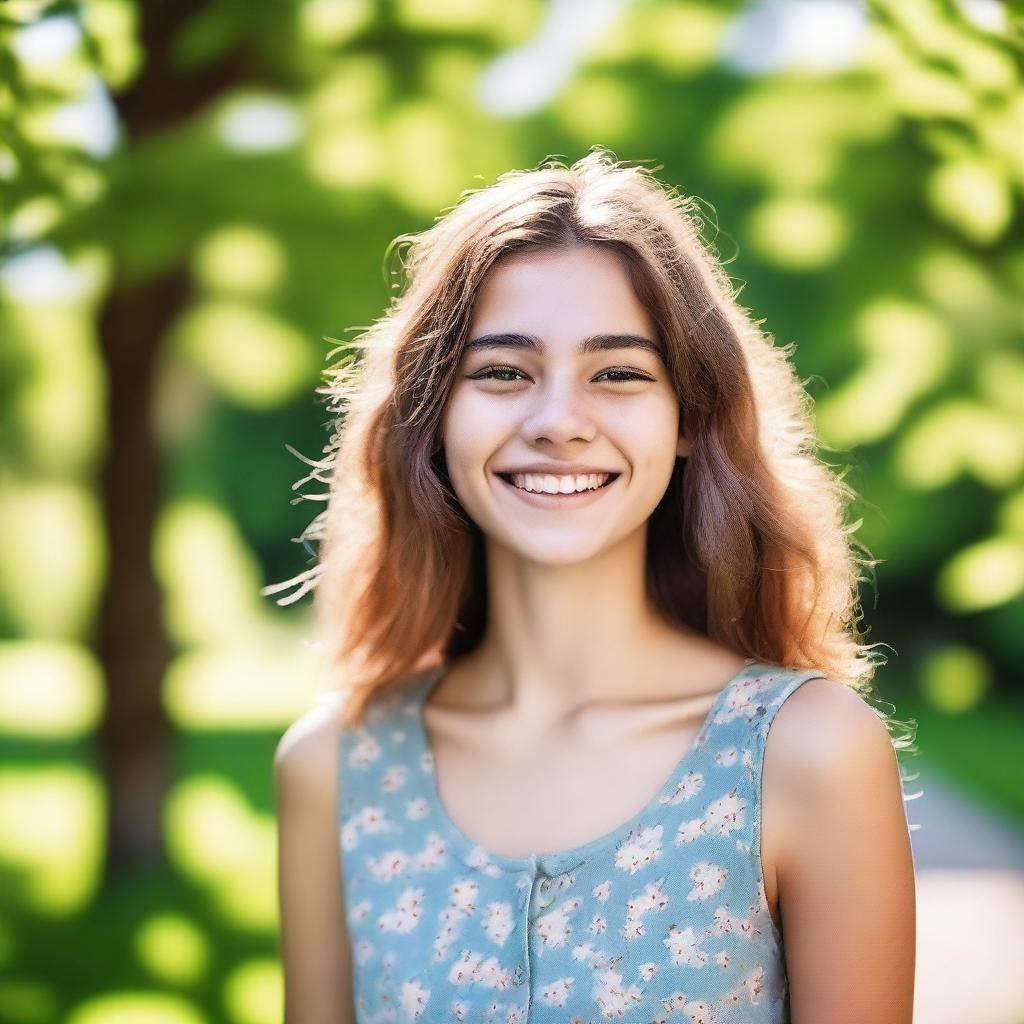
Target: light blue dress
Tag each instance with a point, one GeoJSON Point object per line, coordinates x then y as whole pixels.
{"type": "Point", "coordinates": [663, 919]}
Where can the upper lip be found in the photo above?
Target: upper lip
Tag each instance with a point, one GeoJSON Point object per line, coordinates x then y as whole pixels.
{"type": "Point", "coordinates": [557, 469]}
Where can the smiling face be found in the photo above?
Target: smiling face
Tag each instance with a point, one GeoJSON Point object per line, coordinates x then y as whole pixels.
{"type": "Point", "coordinates": [545, 384]}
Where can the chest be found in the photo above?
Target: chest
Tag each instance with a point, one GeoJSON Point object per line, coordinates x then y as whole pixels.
{"type": "Point", "coordinates": [517, 791]}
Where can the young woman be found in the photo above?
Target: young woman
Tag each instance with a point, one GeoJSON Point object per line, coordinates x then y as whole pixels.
{"type": "Point", "coordinates": [578, 556]}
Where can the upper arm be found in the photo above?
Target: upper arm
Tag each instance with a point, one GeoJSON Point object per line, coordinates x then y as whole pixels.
{"type": "Point", "coordinates": [844, 863]}
{"type": "Point", "coordinates": [315, 949]}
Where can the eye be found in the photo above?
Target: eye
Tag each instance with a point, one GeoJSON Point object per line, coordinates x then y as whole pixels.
{"type": "Point", "coordinates": [625, 375]}
{"type": "Point", "coordinates": [495, 372]}
{"type": "Point", "coordinates": [491, 373]}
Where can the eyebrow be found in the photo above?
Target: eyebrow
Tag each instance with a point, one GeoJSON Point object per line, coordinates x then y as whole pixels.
{"type": "Point", "coordinates": [595, 343]}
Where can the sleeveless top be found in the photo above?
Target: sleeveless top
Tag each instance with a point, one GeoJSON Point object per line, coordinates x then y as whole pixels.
{"type": "Point", "coordinates": [663, 919]}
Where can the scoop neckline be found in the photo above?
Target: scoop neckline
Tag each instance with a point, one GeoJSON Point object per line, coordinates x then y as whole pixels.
{"type": "Point", "coordinates": [556, 861]}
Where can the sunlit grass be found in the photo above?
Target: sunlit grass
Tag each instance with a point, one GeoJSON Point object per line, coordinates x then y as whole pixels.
{"type": "Point", "coordinates": [48, 690]}
{"type": "Point", "coordinates": [213, 837]}
{"type": "Point", "coordinates": [51, 836]}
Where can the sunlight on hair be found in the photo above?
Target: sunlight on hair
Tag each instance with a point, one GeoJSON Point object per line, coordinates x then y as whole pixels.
{"type": "Point", "coordinates": [135, 1008]}
{"type": "Point", "coordinates": [798, 232]}
{"type": "Point", "coordinates": [254, 993]}
{"type": "Point", "coordinates": [51, 822]}
{"type": "Point", "coordinates": [983, 575]}
{"type": "Point", "coordinates": [49, 689]}
{"type": "Point", "coordinates": [253, 356]}
{"type": "Point", "coordinates": [173, 949]}
{"type": "Point", "coordinates": [242, 259]}
{"type": "Point", "coordinates": [51, 557]}
{"type": "Point", "coordinates": [214, 837]}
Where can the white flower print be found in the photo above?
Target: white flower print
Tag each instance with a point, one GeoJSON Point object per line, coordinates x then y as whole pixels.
{"type": "Point", "coordinates": [473, 969]}
{"type": "Point", "coordinates": [417, 809]}
{"type": "Point", "coordinates": [652, 899]}
{"type": "Point", "coordinates": [636, 852]}
{"type": "Point", "coordinates": [406, 915]}
{"type": "Point", "coordinates": [432, 856]}
{"type": "Point", "coordinates": [684, 946]}
{"type": "Point", "coordinates": [726, 814]}
{"type": "Point", "coordinates": [727, 757]}
{"type": "Point", "coordinates": [364, 751]}
{"type": "Point", "coordinates": [394, 778]}
{"type": "Point", "coordinates": [707, 880]}
{"type": "Point", "coordinates": [602, 892]}
{"type": "Point", "coordinates": [413, 999]}
{"type": "Point", "coordinates": [612, 997]}
{"type": "Point", "coordinates": [388, 865]}
{"type": "Point", "coordinates": [688, 831]}
{"type": "Point", "coordinates": [647, 971]}
{"type": "Point", "coordinates": [557, 992]}
{"type": "Point", "coordinates": [689, 786]}
{"type": "Point", "coordinates": [553, 927]}
{"type": "Point", "coordinates": [497, 923]}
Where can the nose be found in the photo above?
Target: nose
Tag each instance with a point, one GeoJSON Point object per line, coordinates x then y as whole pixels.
{"type": "Point", "coordinates": [558, 413]}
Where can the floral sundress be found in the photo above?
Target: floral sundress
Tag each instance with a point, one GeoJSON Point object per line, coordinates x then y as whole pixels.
{"type": "Point", "coordinates": [663, 920]}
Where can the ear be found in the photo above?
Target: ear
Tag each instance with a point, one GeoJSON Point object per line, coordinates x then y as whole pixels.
{"type": "Point", "coordinates": [683, 446]}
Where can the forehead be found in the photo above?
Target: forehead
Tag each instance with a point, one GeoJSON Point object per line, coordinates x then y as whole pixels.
{"type": "Point", "coordinates": [560, 296]}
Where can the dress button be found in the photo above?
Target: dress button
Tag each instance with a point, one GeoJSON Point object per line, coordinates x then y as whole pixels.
{"type": "Point", "coordinates": [518, 976]}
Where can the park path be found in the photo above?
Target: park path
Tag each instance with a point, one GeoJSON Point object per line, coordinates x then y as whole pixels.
{"type": "Point", "coordinates": [970, 904]}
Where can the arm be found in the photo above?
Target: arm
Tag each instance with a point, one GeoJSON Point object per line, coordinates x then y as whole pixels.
{"type": "Point", "coordinates": [315, 950]}
{"type": "Point", "coordinates": [844, 861]}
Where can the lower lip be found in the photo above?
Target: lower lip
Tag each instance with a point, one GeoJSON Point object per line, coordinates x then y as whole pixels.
{"type": "Point", "coordinates": [575, 499]}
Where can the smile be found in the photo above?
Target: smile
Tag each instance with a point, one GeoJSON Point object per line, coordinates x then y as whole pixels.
{"type": "Point", "coordinates": [548, 491]}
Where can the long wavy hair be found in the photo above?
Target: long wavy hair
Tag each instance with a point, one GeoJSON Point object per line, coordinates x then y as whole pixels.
{"type": "Point", "coordinates": [748, 545]}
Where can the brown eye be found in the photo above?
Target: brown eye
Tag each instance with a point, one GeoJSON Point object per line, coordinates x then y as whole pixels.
{"type": "Point", "coordinates": [492, 373]}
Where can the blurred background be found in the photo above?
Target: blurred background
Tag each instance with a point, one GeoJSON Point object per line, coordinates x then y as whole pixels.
{"type": "Point", "coordinates": [196, 202]}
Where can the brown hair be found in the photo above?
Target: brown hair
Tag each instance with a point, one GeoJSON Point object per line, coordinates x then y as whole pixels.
{"type": "Point", "coordinates": [748, 544]}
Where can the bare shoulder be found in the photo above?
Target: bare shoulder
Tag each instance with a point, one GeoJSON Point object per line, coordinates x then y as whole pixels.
{"type": "Point", "coordinates": [825, 728]}
{"type": "Point", "coordinates": [307, 753]}
{"type": "Point", "coordinates": [839, 840]}
{"type": "Point", "coordinates": [315, 946]}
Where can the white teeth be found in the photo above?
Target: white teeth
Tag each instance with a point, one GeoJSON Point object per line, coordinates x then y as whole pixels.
{"type": "Point", "coordinates": [546, 483]}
